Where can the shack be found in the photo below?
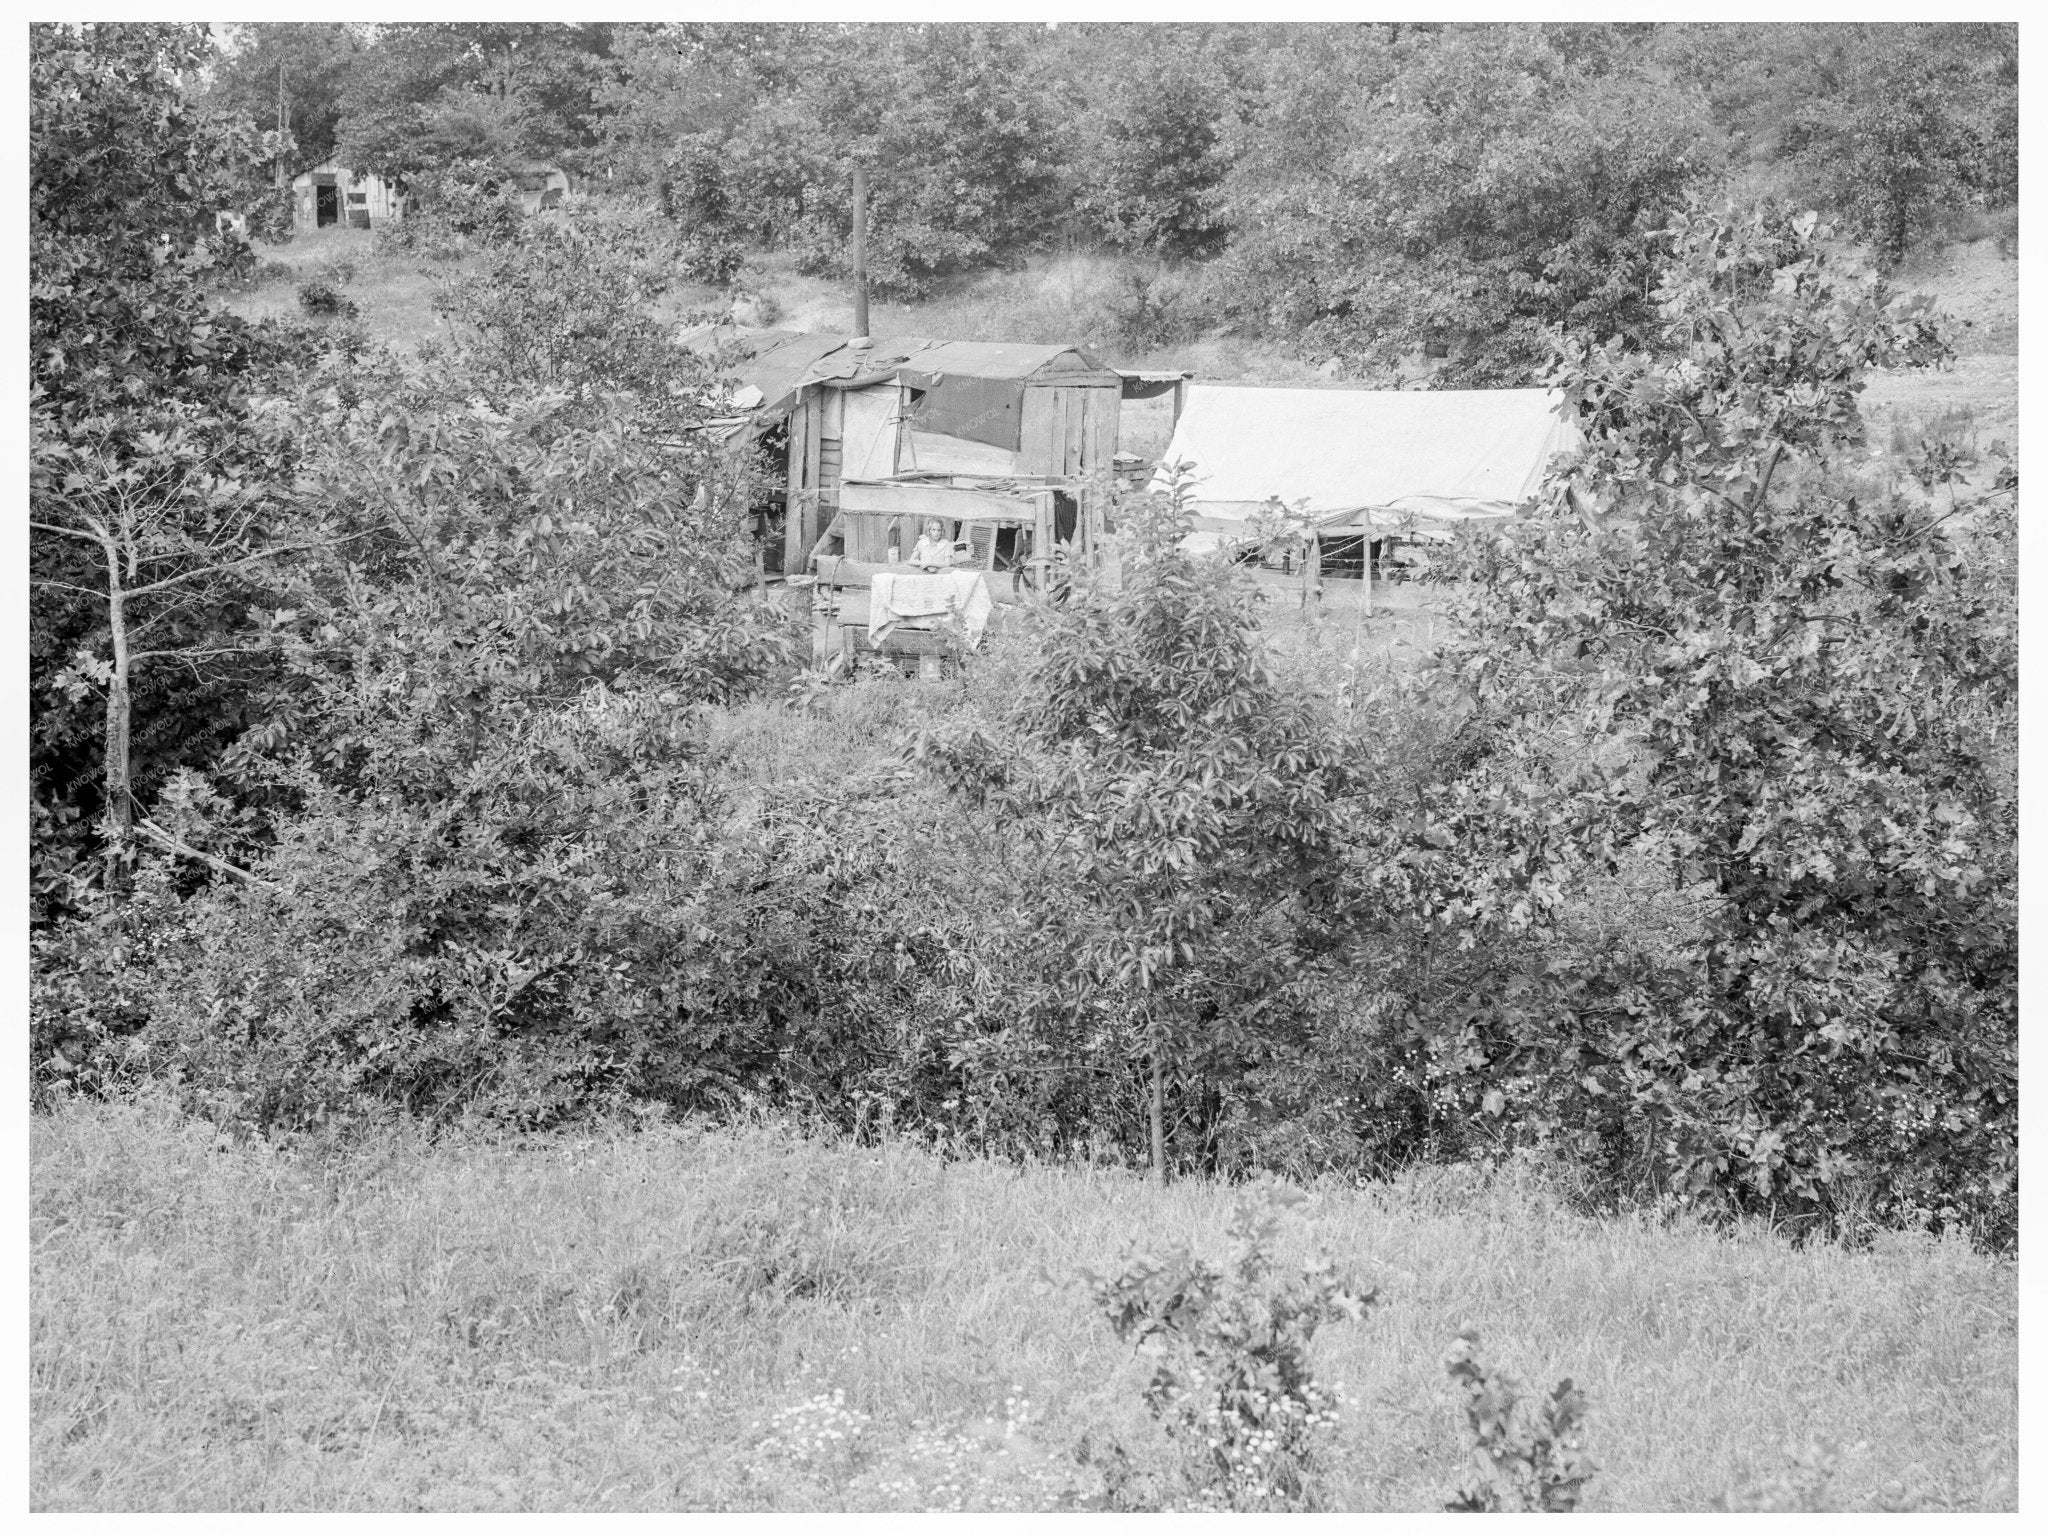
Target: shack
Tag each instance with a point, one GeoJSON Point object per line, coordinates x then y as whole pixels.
{"type": "Point", "coordinates": [874, 409]}
{"type": "Point", "coordinates": [1009, 446]}
{"type": "Point", "coordinates": [331, 193]}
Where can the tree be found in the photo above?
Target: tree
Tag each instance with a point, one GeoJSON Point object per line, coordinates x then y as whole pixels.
{"type": "Point", "coordinates": [1463, 189]}
{"type": "Point", "coordinates": [1154, 147]}
{"type": "Point", "coordinates": [177, 539]}
{"type": "Point", "coordinates": [570, 305]}
{"type": "Point", "coordinates": [126, 174]}
{"type": "Point", "coordinates": [482, 764]}
{"type": "Point", "coordinates": [1195, 808]}
{"type": "Point", "coordinates": [128, 357]}
{"type": "Point", "coordinates": [291, 69]}
{"type": "Point", "coordinates": [1886, 125]}
{"type": "Point", "coordinates": [959, 125]}
{"type": "Point", "coordinates": [420, 93]}
{"type": "Point", "coordinates": [1883, 137]}
{"type": "Point", "coordinates": [682, 81]}
{"type": "Point", "coordinates": [1798, 687]}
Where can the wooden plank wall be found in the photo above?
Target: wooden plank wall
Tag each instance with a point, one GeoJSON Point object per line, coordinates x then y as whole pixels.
{"type": "Point", "coordinates": [1043, 434]}
{"type": "Point", "coordinates": [1069, 430]}
{"type": "Point", "coordinates": [1104, 413]}
{"type": "Point", "coordinates": [802, 503]}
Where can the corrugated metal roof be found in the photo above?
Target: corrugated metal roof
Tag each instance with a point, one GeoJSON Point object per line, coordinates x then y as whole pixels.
{"type": "Point", "coordinates": [782, 362]}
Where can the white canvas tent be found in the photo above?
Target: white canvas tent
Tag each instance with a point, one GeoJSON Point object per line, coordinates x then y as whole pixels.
{"type": "Point", "coordinates": [1364, 460]}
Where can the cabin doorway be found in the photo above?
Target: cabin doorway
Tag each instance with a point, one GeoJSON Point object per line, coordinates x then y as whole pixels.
{"type": "Point", "coordinates": [326, 205]}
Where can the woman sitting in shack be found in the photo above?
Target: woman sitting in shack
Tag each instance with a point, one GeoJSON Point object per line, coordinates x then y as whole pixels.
{"type": "Point", "coordinates": [934, 551]}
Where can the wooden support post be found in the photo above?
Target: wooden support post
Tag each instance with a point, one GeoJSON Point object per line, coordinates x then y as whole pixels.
{"type": "Point", "coordinates": [860, 250]}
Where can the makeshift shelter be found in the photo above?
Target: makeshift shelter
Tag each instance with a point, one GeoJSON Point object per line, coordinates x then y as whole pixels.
{"type": "Point", "coordinates": [1364, 462]}
{"type": "Point", "coordinates": [1004, 444]}
{"type": "Point", "coordinates": [982, 416]}
{"type": "Point", "coordinates": [331, 193]}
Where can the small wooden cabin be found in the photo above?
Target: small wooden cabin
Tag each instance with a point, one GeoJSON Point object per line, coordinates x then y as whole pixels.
{"type": "Point", "coordinates": [331, 193]}
{"type": "Point", "coordinates": [905, 408]}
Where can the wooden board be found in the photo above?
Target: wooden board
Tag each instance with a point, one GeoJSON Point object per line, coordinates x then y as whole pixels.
{"type": "Point", "coordinates": [872, 420]}
{"type": "Point", "coordinates": [800, 499]}
{"type": "Point", "coordinates": [910, 500]}
{"type": "Point", "coordinates": [818, 504]}
{"type": "Point", "coordinates": [1043, 451]}
{"type": "Point", "coordinates": [1104, 411]}
{"type": "Point", "coordinates": [1074, 426]}
{"type": "Point", "coordinates": [934, 453]}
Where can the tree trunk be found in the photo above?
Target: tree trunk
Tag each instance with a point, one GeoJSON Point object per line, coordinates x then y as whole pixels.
{"type": "Point", "coordinates": [118, 814]}
{"type": "Point", "coordinates": [1158, 1107]}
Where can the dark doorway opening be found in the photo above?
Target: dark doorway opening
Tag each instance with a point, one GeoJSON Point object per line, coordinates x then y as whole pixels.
{"type": "Point", "coordinates": [326, 206]}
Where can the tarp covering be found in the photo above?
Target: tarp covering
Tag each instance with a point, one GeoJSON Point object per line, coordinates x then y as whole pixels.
{"type": "Point", "coordinates": [1365, 458]}
{"type": "Point", "coordinates": [975, 389]}
{"type": "Point", "coordinates": [989, 410]}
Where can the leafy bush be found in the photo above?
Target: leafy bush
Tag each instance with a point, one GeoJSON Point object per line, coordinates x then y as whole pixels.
{"type": "Point", "coordinates": [1526, 1457]}
{"type": "Point", "coordinates": [1157, 307]}
{"type": "Point", "coordinates": [567, 302]}
{"type": "Point", "coordinates": [456, 210]}
{"type": "Point", "coordinates": [1232, 1382]}
{"type": "Point", "coordinates": [1796, 687]}
{"type": "Point", "coordinates": [1196, 810]}
{"type": "Point", "coordinates": [321, 299]}
{"type": "Point", "coordinates": [271, 214]}
{"type": "Point", "coordinates": [525, 947]}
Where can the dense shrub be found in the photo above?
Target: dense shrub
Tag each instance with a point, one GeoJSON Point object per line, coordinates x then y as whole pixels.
{"type": "Point", "coordinates": [270, 214]}
{"type": "Point", "coordinates": [543, 940]}
{"type": "Point", "coordinates": [1797, 687]}
{"type": "Point", "coordinates": [455, 210]}
{"type": "Point", "coordinates": [567, 301]}
{"type": "Point", "coordinates": [321, 299]}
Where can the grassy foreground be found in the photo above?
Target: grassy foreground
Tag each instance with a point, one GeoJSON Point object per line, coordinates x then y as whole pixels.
{"type": "Point", "coordinates": [742, 1319]}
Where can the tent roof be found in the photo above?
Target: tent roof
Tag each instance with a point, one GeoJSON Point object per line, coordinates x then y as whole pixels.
{"type": "Point", "coordinates": [1356, 457]}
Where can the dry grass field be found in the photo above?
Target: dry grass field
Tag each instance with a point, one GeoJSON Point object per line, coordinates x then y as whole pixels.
{"type": "Point", "coordinates": [678, 1318]}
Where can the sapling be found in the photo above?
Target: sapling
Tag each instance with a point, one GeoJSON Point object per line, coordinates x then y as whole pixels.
{"type": "Point", "coordinates": [1232, 1382]}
